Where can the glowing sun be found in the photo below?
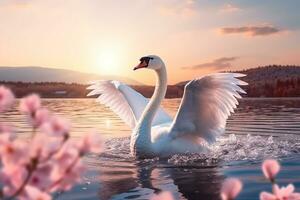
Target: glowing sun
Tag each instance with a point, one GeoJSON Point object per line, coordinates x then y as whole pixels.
{"type": "Point", "coordinates": [108, 61]}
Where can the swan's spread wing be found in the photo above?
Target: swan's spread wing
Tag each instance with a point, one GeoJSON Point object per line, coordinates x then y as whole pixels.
{"type": "Point", "coordinates": [206, 104]}
{"type": "Point", "coordinates": [125, 102]}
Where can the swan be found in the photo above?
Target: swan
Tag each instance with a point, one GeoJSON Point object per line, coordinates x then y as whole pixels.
{"type": "Point", "coordinates": [206, 104]}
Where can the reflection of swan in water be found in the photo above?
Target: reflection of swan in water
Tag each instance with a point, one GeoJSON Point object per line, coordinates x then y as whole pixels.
{"type": "Point", "coordinates": [206, 104]}
{"type": "Point", "coordinates": [123, 177]}
{"type": "Point", "coordinates": [116, 178]}
{"type": "Point", "coordinates": [149, 177]}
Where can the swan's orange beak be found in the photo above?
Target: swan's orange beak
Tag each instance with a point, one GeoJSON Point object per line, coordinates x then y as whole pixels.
{"type": "Point", "coordinates": [143, 64]}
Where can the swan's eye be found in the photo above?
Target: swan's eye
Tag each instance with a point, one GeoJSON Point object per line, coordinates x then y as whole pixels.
{"type": "Point", "coordinates": [146, 60]}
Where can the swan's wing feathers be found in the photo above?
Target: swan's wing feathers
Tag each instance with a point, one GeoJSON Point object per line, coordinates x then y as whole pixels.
{"type": "Point", "coordinates": [114, 99]}
{"type": "Point", "coordinates": [206, 104]}
{"type": "Point", "coordinates": [124, 101]}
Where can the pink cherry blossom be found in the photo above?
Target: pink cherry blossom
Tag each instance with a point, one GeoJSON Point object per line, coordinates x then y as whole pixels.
{"type": "Point", "coordinates": [14, 153]}
{"type": "Point", "coordinates": [66, 154]}
{"type": "Point", "coordinates": [12, 177]}
{"type": "Point", "coordinates": [42, 146]}
{"type": "Point", "coordinates": [267, 196]}
{"type": "Point", "coordinates": [71, 175]}
{"type": "Point", "coordinates": [283, 193]}
{"type": "Point", "coordinates": [7, 133]}
{"type": "Point", "coordinates": [231, 189]}
{"type": "Point", "coordinates": [33, 193]}
{"type": "Point", "coordinates": [163, 196]}
{"type": "Point", "coordinates": [41, 116]}
{"type": "Point", "coordinates": [41, 176]}
{"type": "Point", "coordinates": [6, 128]}
{"type": "Point", "coordinates": [64, 159]}
{"type": "Point", "coordinates": [270, 169]}
{"type": "Point", "coordinates": [90, 143]}
{"type": "Point", "coordinates": [33, 169]}
{"type": "Point", "coordinates": [30, 104]}
{"type": "Point", "coordinates": [67, 168]}
{"type": "Point", "coordinates": [56, 126]}
{"type": "Point", "coordinates": [6, 98]}
{"type": "Point", "coordinates": [5, 138]}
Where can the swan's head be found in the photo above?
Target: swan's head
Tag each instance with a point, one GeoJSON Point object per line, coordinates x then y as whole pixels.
{"type": "Point", "coordinates": [150, 62]}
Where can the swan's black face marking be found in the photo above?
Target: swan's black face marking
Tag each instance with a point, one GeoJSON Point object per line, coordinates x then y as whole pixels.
{"type": "Point", "coordinates": [144, 62]}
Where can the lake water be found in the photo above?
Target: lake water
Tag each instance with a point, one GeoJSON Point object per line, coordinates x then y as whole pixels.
{"type": "Point", "coordinates": [260, 128]}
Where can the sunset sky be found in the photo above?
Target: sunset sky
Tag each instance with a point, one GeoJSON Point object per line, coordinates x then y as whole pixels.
{"type": "Point", "coordinates": [109, 36]}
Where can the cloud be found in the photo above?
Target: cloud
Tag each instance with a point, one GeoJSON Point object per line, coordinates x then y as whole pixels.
{"type": "Point", "coordinates": [230, 8]}
{"type": "Point", "coordinates": [182, 8]}
{"type": "Point", "coordinates": [219, 63]}
{"type": "Point", "coordinates": [251, 30]}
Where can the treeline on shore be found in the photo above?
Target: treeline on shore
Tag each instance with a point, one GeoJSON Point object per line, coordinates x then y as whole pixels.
{"type": "Point", "coordinates": [273, 81]}
{"type": "Point", "coordinates": [74, 90]}
{"type": "Point", "coordinates": [268, 81]}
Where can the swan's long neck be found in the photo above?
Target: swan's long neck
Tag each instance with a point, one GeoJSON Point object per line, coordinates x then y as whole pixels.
{"type": "Point", "coordinates": [141, 138]}
{"type": "Point", "coordinates": [157, 97]}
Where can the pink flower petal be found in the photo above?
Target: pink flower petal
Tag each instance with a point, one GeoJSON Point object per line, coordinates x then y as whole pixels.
{"type": "Point", "coordinates": [294, 196]}
{"type": "Point", "coordinates": [270, 169]}
{"type": "Point", "coordinates": [5, 128]}
{"type": "Point", "coordinates": [12, 178]}
{"type": "Point", "coordinates": [231, 188]}
{"type": "Point", "coordinates": [267, 196]}
{"type": "Point", "coordinates": [288, 189]}
{"type": "Point", "coordinates": [276, 190]}
{"type": "Point", "coordinates": [14, 153]}
{"type": "Point", "coordinates": [30, 104]}
{"type": "Point", "coordinates": [35, 193]}
{"type": "Point", "coordinates": [6, 98]}
{"type": "Point", "coordinates": [41, 176]}
{"type": "Point", "coordinates": [56, 126]}
{"type": "Point", "coordinates": [65, 177]}
{"type": "Point", "coordinates": [285, 193]}
{"type": "Point", "coordinates": [41, 116]}
{"type": "Point", "coordinates": [42, 146]}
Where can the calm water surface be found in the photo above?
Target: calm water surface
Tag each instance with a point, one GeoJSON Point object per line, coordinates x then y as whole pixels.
{"type": "Point", "coordinates": [261, 128]}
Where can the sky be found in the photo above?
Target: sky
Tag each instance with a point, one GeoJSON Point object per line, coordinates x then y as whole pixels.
{"type": "Point", "coordinates": [107, 37]}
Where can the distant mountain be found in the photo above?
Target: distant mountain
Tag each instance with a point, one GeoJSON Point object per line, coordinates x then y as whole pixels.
{"type": "Point", "coordinates": [42, 74]}
{"type": "Point", "coordinates": [270, 81]}
{"type": "Point", "coordinates": [273, 81]}
{"type": "Point", "coordinates": [271, 73]}
{"type": "Point", "coordinates": [266, 73]}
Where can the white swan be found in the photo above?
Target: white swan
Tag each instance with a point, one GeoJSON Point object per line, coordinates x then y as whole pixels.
{"type": "Point", "coordinates": [206, 104]}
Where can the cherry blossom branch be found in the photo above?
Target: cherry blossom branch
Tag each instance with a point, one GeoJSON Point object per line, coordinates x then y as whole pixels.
{"type": "Point", "coordinates": [20, 190]}
{"type": "Point", "coordinates": [51, 154]}
{"type": "Point", "coordinates": [68, 170]}
{"type": "Point", "coordinates": [30, 170]}
{"type": "Point", "coordinates": [46, 154]}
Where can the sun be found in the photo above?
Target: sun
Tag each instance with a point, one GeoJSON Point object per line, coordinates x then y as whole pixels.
{"type": "Point", "coordinates": [108, 58]}
{"type": "Point", "coordinates": [109, 61]}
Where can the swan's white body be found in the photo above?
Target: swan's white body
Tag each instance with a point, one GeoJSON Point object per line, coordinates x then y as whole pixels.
{"type": "Point", "coordinates": [206, 104]}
